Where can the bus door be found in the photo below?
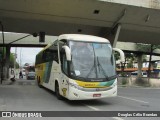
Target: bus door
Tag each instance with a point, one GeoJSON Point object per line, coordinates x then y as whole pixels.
{"type": "Point", "coordinates": [64, 74]}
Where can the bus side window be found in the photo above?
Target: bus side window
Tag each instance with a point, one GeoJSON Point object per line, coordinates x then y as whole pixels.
{"type": "Point", "coordinates": [50, 55]}
{"type": "Point", "coordinates": [46, 56]}
{"type": "Point", "coordinates": [39, 58]}
{"type": "Point", "coordinates": [55, 56]}
{"type": "Point", "coordinates": [43, 56]}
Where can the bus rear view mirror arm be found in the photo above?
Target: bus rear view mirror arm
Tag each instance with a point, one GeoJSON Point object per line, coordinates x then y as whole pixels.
{"type": "Point", "coordinates": [68, 52]}
{"type": "Point", "coordinates": [122, 56]}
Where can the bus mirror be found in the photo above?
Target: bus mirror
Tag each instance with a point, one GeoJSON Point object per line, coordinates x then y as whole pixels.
{"type": "Point", "coordinates": [68, 52]}
{"type": "Point", "coordinates": [122, 56]}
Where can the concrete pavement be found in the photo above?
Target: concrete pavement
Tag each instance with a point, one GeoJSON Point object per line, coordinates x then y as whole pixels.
{"type": "Point", "coordinates": [25, 95]}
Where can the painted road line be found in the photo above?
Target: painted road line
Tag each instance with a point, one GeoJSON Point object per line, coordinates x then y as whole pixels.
{"type": "Point", "coordinates": [96, 109]}
{"type": "Point", "coordinates": [149, 88]}
{"type": "Point", "coordinates": [137, 87]}
{"type": "Point", "coordinates": [132, 99]}
{"type": "Point", "coordinates": [93, 108]}
{"type": "Point", "coordinates": [117, 118]}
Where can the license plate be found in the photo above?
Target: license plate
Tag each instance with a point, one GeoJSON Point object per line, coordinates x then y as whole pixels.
{"type": "Point", "coordinates": [96, 95]}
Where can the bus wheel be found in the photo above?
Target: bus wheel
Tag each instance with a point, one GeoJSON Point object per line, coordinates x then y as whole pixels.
{"type": "Point", "coordinates": [39, 83]}
{"type": "Point", "coordinates": [57, 91]}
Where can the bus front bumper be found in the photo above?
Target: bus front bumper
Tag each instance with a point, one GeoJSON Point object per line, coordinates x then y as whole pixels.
{"type": "Point", "coordinates": [77, 94]}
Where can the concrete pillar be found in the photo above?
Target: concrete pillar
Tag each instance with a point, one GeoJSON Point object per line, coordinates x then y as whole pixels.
{"type": "Point", "coordinates": [7, 62]}
{"type": "Point", "coordinates": [2, 64]}
{"type": "Point", "coordinates": [116, 35]}
{"type": "Point", "coordinates": [139, 60]}
{"type": "Point", "coordinates": [113, 35]}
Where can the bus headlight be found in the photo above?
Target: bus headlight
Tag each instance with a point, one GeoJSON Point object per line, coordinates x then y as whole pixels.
{"type": "Point", "coordinates": [75, 85]}
{"type": "Point", "coordinates": [114, 84]}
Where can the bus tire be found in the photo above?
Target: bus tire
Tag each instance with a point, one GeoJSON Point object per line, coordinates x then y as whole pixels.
{"type": "Point", "coordinates": [39, 82]}
{"type": "Point", "coordinates": [57, 91]}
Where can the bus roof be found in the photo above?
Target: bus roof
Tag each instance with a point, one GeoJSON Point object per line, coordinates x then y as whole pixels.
{"type": "Point", "coordinates": [45, 48]}
{"type": "Point", "coordinates": [80, 37]}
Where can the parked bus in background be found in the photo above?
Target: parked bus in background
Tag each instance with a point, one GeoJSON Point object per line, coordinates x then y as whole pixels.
{"type": "Point", "coordinates": [78, 67]}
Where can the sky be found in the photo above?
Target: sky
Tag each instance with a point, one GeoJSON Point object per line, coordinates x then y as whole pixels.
{"type": "Point", "coordinates": [27, 54]}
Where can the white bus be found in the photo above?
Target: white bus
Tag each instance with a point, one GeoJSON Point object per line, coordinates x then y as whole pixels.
{"type": "Point", "coordinates": [78, 67]}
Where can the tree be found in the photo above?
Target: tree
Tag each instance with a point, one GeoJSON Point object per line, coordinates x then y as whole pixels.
{"type": "Point", "coordinates": [12, 61]}
{"type": "Point", "coordinates": [116, 55]}
{"type": "Point", "coordinates": [12, 58]}
{"type": "Point", "coordinates": [148, 48]}
{"type": "Point", "coordinates": [2, 52]}
{"type": "Point", "coordinates": [129, 58]}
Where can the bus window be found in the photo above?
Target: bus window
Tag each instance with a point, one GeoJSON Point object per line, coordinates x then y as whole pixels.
{"type": "Point", "coordinates": [50, 55]}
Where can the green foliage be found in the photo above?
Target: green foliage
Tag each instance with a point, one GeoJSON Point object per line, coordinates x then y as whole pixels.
{"type": "Point", "coordinates": [130, 58]}
{"type": "Point", "coordinates": [1, 52]}
{"type": "Point", "coordinates": [17, 65]}
{"type": "Point", "coordinates": [146, 47]}
{"type": "Point", "coordinates": [129, 55]}
{"type": "Point", "coordinates": [123, 74]}
{"type": "Point", "coordinates": [156, 47]}
{"type": "Point", "coordinates": [144, 58]}
{"type": "Point", "coordinates": [12, 59]}
{"type": "Point", "coordinates": [116, 55]}
{"type": "Point", "coordinates": [130, 64]}
{"type": "Point", "coordinates": [143, 47]}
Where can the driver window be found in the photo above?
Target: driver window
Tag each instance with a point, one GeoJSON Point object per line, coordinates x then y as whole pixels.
{"type": "Point", "coordinates": [64, 64]}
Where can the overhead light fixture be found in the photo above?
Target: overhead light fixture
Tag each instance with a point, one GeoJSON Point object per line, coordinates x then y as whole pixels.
{"type": "Point", "coordinates": [79, 30]}
{"type": "Point", "coordinates": [96, 11]}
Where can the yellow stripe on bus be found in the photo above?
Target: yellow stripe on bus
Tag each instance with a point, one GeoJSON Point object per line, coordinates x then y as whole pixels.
{"type": "Point", "coordinates": [90, 84]}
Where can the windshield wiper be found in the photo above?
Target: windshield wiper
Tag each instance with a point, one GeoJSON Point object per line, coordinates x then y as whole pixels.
{"type": "Point", "coordinates": [90, 71]}
{"type": "Point", "coordinates": [99, 65]}
{"type": "Point", "coordinates": [94, 65]}
{"type": "Point", "coordinates": [112, 77]}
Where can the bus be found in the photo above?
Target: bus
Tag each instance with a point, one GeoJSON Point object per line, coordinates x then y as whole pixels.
{"type": "Point", "coordinates": [78, 67]}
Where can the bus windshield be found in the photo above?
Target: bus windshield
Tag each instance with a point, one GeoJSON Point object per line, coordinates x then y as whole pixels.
{"type": "Point", "coordinates": [91, 60]}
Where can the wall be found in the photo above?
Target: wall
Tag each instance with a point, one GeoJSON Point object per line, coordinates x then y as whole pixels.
{"type": "Point", "coordinates": [155, 4]}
